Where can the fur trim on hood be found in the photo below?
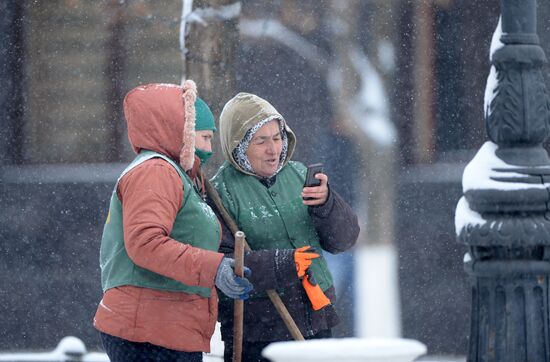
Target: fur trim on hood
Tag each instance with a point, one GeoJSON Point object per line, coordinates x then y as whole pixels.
{"type": "Point", "coordinates": [161, 118]}
{"type": "Point", "coordinates": [242, 113]}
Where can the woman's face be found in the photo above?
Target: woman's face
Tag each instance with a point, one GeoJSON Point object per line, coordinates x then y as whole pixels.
{"type": "Point", "coordinates": [203, 140]}
{"type": "Point", "coordinates": [265, 149]}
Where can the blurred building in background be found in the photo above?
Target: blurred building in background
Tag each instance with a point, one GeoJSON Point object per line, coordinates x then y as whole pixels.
{"type": "Point", "coordinates": [388, 94]}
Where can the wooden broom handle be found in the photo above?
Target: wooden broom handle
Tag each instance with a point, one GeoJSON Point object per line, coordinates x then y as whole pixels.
{"type": "Point", "coordinates": [271, 293]}
{"type": "Point", "coordinates": [238, 311]}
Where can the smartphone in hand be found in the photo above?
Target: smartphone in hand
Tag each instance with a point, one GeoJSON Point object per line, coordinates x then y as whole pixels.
{"type": "Point", "coordinates": [311, 181]}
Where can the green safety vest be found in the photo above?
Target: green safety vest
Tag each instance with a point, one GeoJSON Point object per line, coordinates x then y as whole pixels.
{"type": "Point", "coordinates": [275, 217]}
{"type": "Point", "coordinates": [195, 224]}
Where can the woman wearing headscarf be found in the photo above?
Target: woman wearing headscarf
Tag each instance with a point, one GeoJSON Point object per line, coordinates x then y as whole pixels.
{"type": "Point", "coordinates": [286, 225]}
{"type": "Point", "coordinates": [158, 257]}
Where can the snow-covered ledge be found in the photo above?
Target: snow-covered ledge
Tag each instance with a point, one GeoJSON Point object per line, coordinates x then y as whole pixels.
{"type": "Point", "coordinates": [69, 349]}
{"type": "Point", "coordinates": [346, 350]}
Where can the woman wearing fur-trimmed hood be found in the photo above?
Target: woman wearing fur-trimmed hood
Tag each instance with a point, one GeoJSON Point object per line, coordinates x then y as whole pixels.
{"type": "Point", "coordinates": [159, 260]}
{"type": "Point", "coordinates": [262, 189]}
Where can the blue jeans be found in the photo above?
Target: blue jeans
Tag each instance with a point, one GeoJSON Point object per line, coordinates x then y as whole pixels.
{"type": "Point", "coordinates": [121, 350]}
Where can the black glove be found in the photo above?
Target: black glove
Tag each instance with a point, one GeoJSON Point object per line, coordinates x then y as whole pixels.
{"type": "Point", "coordinates": [230, 284]}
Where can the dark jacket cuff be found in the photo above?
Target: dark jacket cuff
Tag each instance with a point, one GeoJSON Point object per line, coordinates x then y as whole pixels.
{"type": "Point", "coordinates": [324, 210]}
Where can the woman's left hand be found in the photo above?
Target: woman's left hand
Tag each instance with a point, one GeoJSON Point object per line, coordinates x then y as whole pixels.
{"type": "Point", "coordinates": [318, 194]}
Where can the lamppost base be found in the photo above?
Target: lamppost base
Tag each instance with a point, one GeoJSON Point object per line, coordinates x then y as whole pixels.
{"type": "Point", "coordinates": [510, 311]}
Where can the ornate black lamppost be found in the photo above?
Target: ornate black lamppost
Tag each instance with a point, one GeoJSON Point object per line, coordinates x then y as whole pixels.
{"type": "Point", "coordinates": [504, 216]}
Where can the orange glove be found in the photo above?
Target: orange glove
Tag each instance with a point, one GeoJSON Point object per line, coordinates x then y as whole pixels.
{"type": "Point", "coordinates": [314, 292]}
{"type": "Point", "coordinates": [303, 257]}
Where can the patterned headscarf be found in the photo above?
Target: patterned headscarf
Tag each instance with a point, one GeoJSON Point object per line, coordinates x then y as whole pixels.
{"type": "Point", "coordinates": [239, 153]}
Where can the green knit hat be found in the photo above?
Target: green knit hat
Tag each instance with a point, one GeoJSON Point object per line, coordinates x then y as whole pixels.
{"type": "Point", "coordinates": [204, 117]}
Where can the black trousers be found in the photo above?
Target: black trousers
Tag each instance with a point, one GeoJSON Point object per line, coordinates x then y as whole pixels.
{"type": "Point", "coordinates": [252, 351]}
{"type": "Point", "coordinates": [121, 350]}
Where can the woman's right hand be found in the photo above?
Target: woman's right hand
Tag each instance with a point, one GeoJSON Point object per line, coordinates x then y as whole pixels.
{"type": "Point", "coordinates": [229, 283]}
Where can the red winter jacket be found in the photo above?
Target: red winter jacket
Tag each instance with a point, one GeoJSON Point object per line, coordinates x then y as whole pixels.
{"type": "Point", "coordinates": [175, 320]}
